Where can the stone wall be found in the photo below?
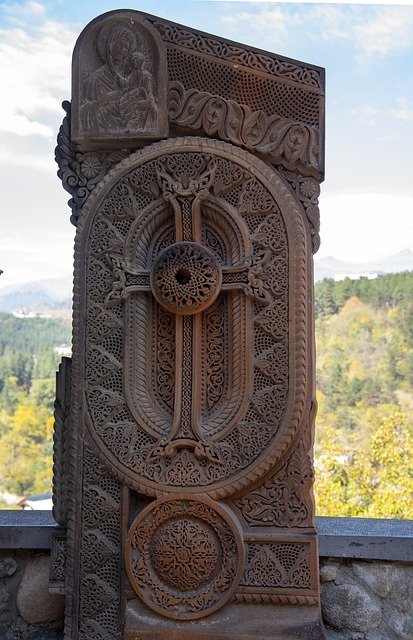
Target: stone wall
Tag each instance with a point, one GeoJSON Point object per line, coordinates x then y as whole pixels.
{"type": "Point", "coordinates": [367, 599]}
{"type": "Point", "coordinates": [27, 610]}
{"type": "Point", "coordinates": [360, 599]}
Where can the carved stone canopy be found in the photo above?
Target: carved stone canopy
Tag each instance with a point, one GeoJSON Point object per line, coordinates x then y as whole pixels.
{"type": "Point", "coordinates": [184, 425]}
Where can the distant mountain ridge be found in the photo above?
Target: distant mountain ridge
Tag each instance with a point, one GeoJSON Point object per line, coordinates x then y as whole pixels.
{"type": "Point", "coordinates": [39, 297]}
{"type": "Point", "coordinates": [54, 295]}
{"type": "Point", "coordinates": [330, 267]}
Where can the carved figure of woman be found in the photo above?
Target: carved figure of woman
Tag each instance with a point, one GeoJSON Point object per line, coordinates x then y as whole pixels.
{"type": "Point", "coordinates": [119, 94]}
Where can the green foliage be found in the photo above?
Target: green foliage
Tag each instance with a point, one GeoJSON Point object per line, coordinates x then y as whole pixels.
{"type": "Point", "coordinates": [28, 366]}
{"type": "Point", "coordinates": [385, 292]}
{"type": "Point", "coordinates": [373, 481]}
{"type": "Point", "coordinates": [31, 335]}
{"type": "Point", "coordinates": [364, 381]}
{"type": "Point", "coordinates": [26, 461]}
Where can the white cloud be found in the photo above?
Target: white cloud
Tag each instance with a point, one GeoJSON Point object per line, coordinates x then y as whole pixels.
{"type": "Point", "coordinates": [371, 115]}
{"type": "Point", "coordinates": [331, 22]}
{"type": "Point", "coordinates": [22, 12]}
{"type": "Point", "coordinates": [35, 68]}
{"type": "Point", "coordinates": [366, 114]}
{"type": "Point", "coordinates": [403, 110]}
{"type": "Point", "coordinates": [390, 29]}
{"type": "Point", "coordinates": [36, 7]}
{"type": "Point", "coordinates": [372, 31]}
{"type": "Point", "coordinates": [268, 24]}
{"type": "Point", "coordinates": [276, 21]}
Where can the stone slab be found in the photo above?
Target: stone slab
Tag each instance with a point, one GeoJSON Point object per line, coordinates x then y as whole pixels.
{"type": "Point", "coordinates": [373, 538]}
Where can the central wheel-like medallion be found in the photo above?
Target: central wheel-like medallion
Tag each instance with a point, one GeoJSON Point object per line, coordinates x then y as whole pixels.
{"type": "Point", "coordinates": [186, 278]}
{"type": "Point", "coordinates": [184, 556]}
{"type": "Point", "coordinates": [185, 553]}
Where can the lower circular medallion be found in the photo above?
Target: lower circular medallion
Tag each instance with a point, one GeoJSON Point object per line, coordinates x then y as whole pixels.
{"type": "Point", "coordinates": [184, 556]}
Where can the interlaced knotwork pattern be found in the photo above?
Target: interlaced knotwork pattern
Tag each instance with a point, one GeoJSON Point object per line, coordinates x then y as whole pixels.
{"type": "Point", "coordinates": [184, 557]}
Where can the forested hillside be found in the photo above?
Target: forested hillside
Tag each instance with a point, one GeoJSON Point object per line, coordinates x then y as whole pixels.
{"type": "Point", "coordinates": [364, 437]}
{"type": "Point", "coordinates": [28, 362]}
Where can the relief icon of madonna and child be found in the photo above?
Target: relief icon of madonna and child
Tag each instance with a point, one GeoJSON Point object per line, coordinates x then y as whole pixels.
{"type": "Point", "coordinates": [120, 94]}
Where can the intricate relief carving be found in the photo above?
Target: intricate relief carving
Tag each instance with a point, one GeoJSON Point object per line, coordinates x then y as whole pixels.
{"type": "Point", "coordinates": [99, 571]}
{"type": "Point", "coordinates": [185, 553]}
{"type": "Point", "coordinates": [81, 172]}
{"type": "Point", "coordinates": [61, 437]}
{"type": "Point", "coordinates": [276, 598]}
{"type": "Point", "coordinates": [278, 565]}
{"type": "Point", "coordinates": [236, 54]}
{"type": "Point", "coordinates": [284, 500]}
{"type": "Point", "coordinates": [119, 83]}
{"type": "Point", "coordinates": [186, 278]}
{"type": "Point", "coordinates": [278, 138]}
{"type": "Point", "coordinates": [184, 557]}
{"type": "Point", "coordinates": [58, 564]}
{"type": "Point", "coordinates": [192, 370]}
{"type": "Point", "coordinates": [308, 190]}
{"type": "Point", "coordinates": [166, 420]}
{"type": "Point", "coordinates": [120, 93]}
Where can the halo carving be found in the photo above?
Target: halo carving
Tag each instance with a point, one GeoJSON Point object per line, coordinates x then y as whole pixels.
{"type": "Point", "coordinates": [184, 556]}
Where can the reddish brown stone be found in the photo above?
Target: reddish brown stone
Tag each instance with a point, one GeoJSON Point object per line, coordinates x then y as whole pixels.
{"type": "Point", "coordinates": [183, 450]}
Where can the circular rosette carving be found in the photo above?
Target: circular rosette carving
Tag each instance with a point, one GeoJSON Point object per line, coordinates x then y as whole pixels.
{"type": "Point", "coordinates": [186, 278]}
{"type": "Point", "coordinates": [184, 556]}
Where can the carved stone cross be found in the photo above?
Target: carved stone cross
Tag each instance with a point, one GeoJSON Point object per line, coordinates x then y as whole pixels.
{"type": "Point", "coordinates": [184, 425]}
{"type": "Point", "coordinates": [186, 279]}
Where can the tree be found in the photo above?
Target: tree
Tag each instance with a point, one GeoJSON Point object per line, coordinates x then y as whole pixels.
{"type": "Point", "coordinates": [376, 481]}
{"type": "Point", "coordinates": [26, 461]}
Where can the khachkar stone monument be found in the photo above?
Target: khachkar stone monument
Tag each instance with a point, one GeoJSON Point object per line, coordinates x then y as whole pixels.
{"type": "Point", "coordinates": [184, 424]}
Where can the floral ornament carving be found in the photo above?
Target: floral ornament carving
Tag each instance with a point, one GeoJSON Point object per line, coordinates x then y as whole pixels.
{"type": "Point", "coordinates": [236, 54]}
{"type": "Point", "coordinates": [184, 557]}
{"type": "Point", "coordinates": [278, 565]}
{"type": "Point", "coordinates": [308, 190]}
{"type": "Point", "coordinates": [186, 278]}
{"type": "Point", "coordinates": [285, 499]}
{"type": "Point", "coordinates": [99, 576]}
{"type": "Point", "coordinates": [294, 143]}
{"type": "Point", "coordinates": [81, 172]}
{"type": "Point", "coordinates": [185, 553]}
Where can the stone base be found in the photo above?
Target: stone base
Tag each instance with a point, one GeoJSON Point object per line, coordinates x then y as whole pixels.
{"type": "Point", "coordinates": [233, 622]}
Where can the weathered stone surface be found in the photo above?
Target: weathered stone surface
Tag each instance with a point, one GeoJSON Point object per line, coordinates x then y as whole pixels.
{"type": "Point", "coordinates": [20, 630]}
{"type": "Point", "coordinates": [380, 578]}
{"type": "Point", "coordinates": [347, 606]}
{"type": "Point", "coordinates": [34, 602]}
{"type": "Point", "coordinates": [8, 567]}
{"type": "Point", "coordinates": [398, 613]}
{"type": "Point", "coordinates": [4, 596]}
{"type": "Point", "coordinates": [400, 626]}
{"type": "Point", "coordinates": [333, 634]}
{"type": "Point", "coordinates": [328, 571]}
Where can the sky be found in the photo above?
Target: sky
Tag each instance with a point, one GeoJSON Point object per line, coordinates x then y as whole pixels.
{"type": "Point", "coordinates": [366, 200]}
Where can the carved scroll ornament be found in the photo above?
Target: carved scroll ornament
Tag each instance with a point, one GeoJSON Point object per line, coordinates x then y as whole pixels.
{"type": "Point", "coordinates": [294, 143]}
